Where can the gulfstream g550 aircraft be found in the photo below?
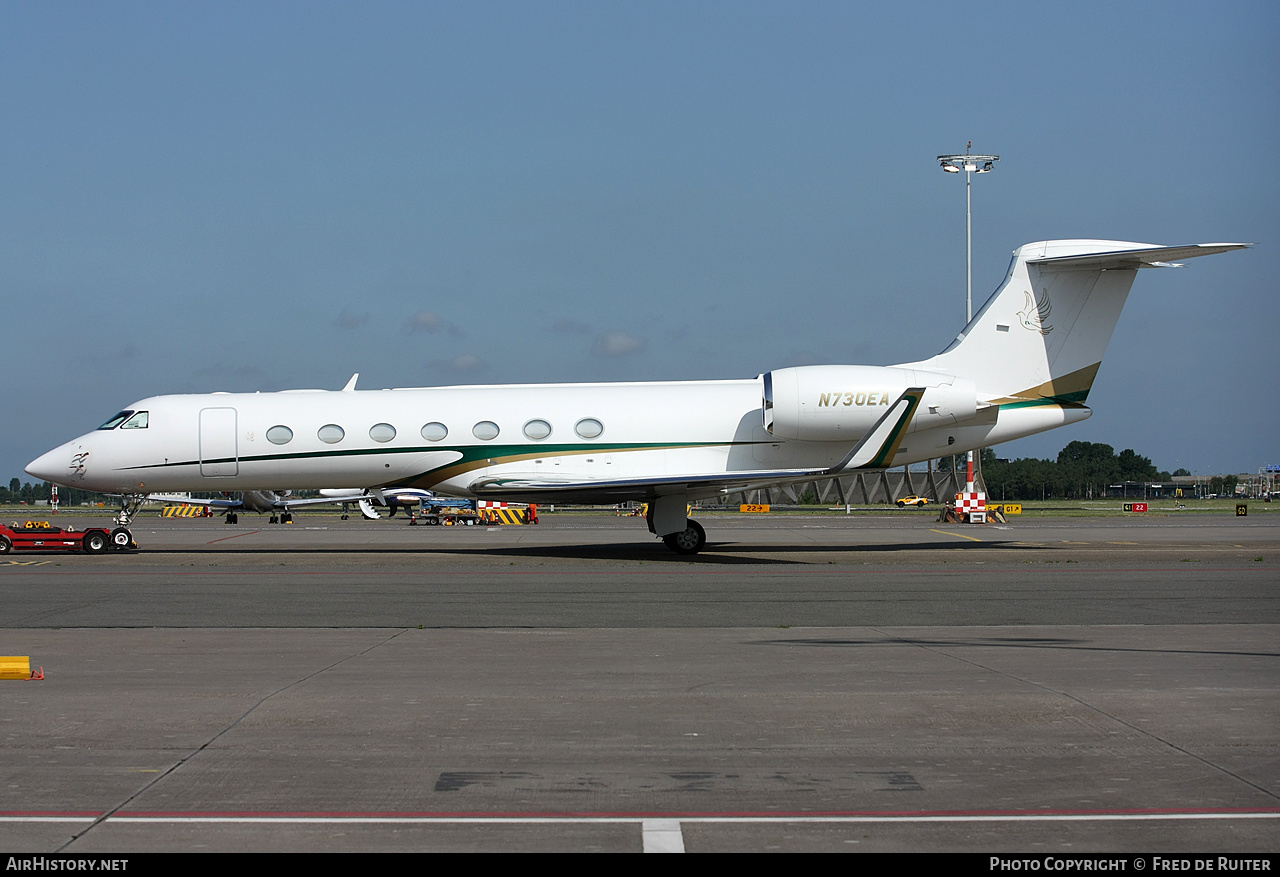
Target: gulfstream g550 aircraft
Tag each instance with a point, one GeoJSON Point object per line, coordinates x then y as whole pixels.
{"type": "Point", "coordinates": [1023, 365]}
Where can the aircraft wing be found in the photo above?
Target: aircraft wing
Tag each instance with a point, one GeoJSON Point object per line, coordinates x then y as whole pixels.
{"type": "Point", "coordinates": [875, 451]}
{"type": "Point", "coordinates": [262, 502]}
{"type": "Point", "coordinates": [534, 489]}
{"type": "Point", "coordinates": [289, 503]}
{"type": "Point", "coordinates": [182, 499]}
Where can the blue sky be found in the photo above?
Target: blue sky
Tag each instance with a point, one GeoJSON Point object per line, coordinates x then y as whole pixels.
{"type": "Point", "coordinates": [259, 196]}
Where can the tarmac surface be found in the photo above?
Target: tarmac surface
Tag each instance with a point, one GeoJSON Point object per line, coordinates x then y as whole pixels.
{"type": "Point", "coordinates": [863, 683]}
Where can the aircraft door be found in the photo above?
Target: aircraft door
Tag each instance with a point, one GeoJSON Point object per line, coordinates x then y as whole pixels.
{"type": "Point", "coordinates": [218, 457]}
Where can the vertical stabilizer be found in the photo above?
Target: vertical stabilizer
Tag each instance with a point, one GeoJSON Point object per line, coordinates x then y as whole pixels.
{"type": "Point", "coordinates": [1042, 335]}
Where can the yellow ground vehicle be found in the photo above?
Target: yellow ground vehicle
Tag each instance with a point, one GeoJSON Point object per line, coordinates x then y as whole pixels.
{"type": "Point", "coordinates": [912, 500]}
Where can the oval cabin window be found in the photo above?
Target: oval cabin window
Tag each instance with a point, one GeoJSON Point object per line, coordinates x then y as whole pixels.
{"type": "Point", "coordinates": [434, 432]}
{"type": "Point", "coordinates": [279, 435]}
{"type": "Point", "coordinates": [589, 428]}
{"type": "Point", "coordinates": [537, 429]}
{"type": "Point", "coordinates": [382, 432]}
{"type": "Point", "coordinates": [331, 433]}
{"type": "Point", "coordinates": [485, 430]}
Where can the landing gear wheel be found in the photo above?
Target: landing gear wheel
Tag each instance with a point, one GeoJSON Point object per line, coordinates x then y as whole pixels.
{"type": "Point", "coordinates": [121, 539]}
{"type": "Point", "coordinates": [286, 518]}
{"type": "Point", "coordinates": [95, 542]}
{"type": "Point", "coordinates": [274, 519]}
{"type": "Point", "coordinates": [232, 519]}
{"type": "Point", "coordinates": [690, 540]}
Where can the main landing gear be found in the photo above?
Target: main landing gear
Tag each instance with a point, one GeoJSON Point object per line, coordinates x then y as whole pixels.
{"type": "Point", "coordinates": [690, 540]}
{"type": "Point", "coordinates": [667, 517]}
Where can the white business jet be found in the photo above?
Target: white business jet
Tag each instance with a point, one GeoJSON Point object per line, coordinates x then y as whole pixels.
{"type": "Point", "coordinates": [1023, 365]}
{"type": "Point", "coordinates": [394, 498]}
{"type": "Point", "coordinates": [280, 503]}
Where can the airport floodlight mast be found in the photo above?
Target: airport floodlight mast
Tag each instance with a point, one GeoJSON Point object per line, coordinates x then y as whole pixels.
{"type": "Point", "coordinates": [971, 164]}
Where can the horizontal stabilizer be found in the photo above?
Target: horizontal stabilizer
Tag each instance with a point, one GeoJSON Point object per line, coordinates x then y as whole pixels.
{"type": "Point", "coordinates": [1146, 257]}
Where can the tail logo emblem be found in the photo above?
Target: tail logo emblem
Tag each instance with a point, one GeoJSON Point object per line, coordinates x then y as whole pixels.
{"type": "Point", "coordinates": [1035, 313]}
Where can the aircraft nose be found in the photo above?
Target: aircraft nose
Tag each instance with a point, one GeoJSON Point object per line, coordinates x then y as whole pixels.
{"type": "Point", "coordinates": [62, 464]}
{"type": "Point", "coordinates": [47, 467]}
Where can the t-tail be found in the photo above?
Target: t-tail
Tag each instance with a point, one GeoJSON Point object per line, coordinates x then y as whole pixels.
{"type": "Point", "coordinates": [1041, 337]}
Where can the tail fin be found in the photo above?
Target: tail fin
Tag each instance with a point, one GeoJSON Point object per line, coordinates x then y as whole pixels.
{"type": "Point", "coordinates": [1043, 333]}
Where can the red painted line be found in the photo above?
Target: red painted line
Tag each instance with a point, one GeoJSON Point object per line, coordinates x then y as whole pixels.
{"type": "Point", "coordinates": [615, 573]}
{"type": "Point", "coordinates": [236, 536]}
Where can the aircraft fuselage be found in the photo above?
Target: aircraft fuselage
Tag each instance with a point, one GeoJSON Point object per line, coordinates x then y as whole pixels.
{"type": "Point", "coordinates": [444, 439]}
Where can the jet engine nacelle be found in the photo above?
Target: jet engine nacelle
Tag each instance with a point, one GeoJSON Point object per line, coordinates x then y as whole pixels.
{"type": "Point", "coordinates": [827, 403]}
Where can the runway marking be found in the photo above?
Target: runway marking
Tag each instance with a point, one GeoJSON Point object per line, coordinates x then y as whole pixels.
{"type": "Point", "coordinates": [656, 822]}
{"type": "Point", "coordinates": [662, 836]}
{"type": "Point", "coordinates": [236, 536]}
{"type": "Point", "coordinates": [27, 562]}
{"type": "Point", "coordinates": [958, 535]}
{"type": "Point", "coordinates": [659, 834]}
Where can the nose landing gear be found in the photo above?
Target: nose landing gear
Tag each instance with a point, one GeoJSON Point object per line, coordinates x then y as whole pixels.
{"type": "Point", "coordinates": [129, 505]}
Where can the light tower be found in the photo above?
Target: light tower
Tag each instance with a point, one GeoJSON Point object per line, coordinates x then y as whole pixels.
{"type": "Point", "coordinates": [971, 503]}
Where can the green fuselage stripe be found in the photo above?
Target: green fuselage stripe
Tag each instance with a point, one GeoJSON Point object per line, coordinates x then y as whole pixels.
{"type": "Point", "coordinates": [469, 452]}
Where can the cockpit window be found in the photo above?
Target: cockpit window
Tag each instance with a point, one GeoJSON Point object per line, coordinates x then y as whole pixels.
{"type": "Point", "coordinates": [137, 421]}
{"type": "Point", "coordinates": [117, 420]}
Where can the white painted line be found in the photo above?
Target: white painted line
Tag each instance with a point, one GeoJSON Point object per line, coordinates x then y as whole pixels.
{"type": "Point", "coordinates": [658, 823]}
{"type": "Point", "coordinates": [662, 836]}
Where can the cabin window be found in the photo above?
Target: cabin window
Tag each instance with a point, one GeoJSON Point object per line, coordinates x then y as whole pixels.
{"type": "Point", "coordinates": [382, 432]}
{"type": "Point", "coordinates": [137, 421]}
{"type": "Point", "coordinates": [434, 432]}
{"type": "Point", "coordinates": [116, 421]}
{"type": "Point", "coordinates": [537, 429]}
{"type": "Point", "coordinates": [331, 433]}
{"type": "Point", "coordinates": [485, 430]}
{"type": "Point", "coordinates": [279, 435]}
{"type": "Point", "coordinates": [588, 428]}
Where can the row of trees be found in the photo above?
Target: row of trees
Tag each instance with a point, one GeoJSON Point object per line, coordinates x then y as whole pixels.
{"type": "Point", "coordinates": [1082, 470]}
{"type": "Point", "coordinates": [30, 494]}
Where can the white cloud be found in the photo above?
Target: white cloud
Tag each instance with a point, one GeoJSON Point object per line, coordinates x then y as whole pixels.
{"type": "Point", "coordinates": [431, 322]}
{"type": "Point", "coordinates": [617, 344]}
{"type": "Point", "coordinates": [463, 363]}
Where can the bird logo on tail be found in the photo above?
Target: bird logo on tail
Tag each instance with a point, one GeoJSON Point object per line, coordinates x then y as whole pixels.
{"type": "Point", "coordinates": [1035, 313]}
